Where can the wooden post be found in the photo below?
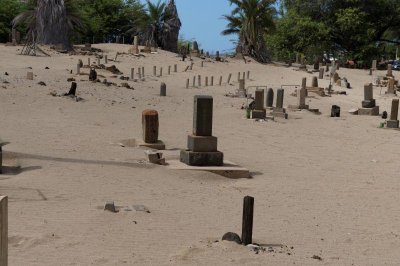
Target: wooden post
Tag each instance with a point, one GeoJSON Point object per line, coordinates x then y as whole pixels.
{"type": "Point", "coordinates": [169, 70]}
{"type": "Point", "coordinates": [229, 78]}
{"type": "Point", "coordinates": [175, 68]}
{"type": "Point", "coordinates": [142, 72]}
{"type": "Point", "coordinates": [4, 231]}
{"type": "Point", "coordinates": [247, 222]}
{"type": "Point", "coordinates": [187, 83]}
{"type": "Point", "coordinates": [132, 73]}
{"type": "Point", "coordinates": [220, 81]}
{"type": "Point", "coordinates": [154, 71]}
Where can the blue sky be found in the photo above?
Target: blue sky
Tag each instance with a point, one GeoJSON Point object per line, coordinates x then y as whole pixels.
{"type": "Point", "coordinates": [202, 21]}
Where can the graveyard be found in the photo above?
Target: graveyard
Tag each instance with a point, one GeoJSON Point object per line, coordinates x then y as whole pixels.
{"type": "Point", "coordinates": [324, 186]}
{"type": "Point", "coordinates": [124, 143]}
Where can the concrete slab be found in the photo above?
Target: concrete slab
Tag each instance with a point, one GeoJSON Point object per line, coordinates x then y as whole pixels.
{"type": "Point", "coordinates": [229, 169]}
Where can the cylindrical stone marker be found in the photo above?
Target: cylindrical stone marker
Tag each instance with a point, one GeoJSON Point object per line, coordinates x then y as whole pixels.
{"type": "Point", "coordinates": [368, 92]}
{"type": "Point", "coordinates": [187, 83]}
{"type": "Point", "coordinates": [247, 220]}
{"type": "Point", "coordinates": [229, 78]}
{"type": "Point", "coordinates": [163, 89]}
{"type": "Point", "coordinates": [199, 80]}
{"type": "Point", "coordinates": [206, 82]}
{"type": "Point", "coordinates": [78, 69]}
{"type": "Point", "coordinates": [154, 71]}
{"type": "Point", "coordinates": [314, 82]}
{"type": "Point", "coordinates": [395, 110]}
{"type": "Point", "coordinates": [279, 98]}
{"type": "Point", "coordinates": [150, 126]}
{"type": "Point", "coordinates": [304, 83]}
{"type": "Point", "coordinates": [220, 80]}
{"type": "Point", "coordinates": [202, 115]}
{"type": "Point", "coordinates": [175, 68]}
{"type": "Point", "coordinates": [194, 81]}
{"type": "Point", "coordinates": [270, 98]}
{"type": "Point", "coordinates": [132, 73]}
{"type": "Point", "coordinates": [212, 81]}
{"type": "Point", "coordinates": [169, 70]}
{"type": "Point", "coordinates": [106, 59]}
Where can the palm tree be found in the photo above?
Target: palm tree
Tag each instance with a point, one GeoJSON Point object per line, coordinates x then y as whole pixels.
{"type": "Point", "coordinates": [251, 20]}
{"type": "Point", "coordinates": [50, 21]}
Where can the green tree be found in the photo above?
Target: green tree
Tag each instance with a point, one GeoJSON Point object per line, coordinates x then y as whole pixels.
{"type": "Point", "coordinates": [8, 10]}
{"type": "Point", "coordinates": [251, 20]}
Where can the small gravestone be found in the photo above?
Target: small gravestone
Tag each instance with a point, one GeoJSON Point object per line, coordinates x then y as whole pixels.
{"type": "Point", "coordinates": [314, 82]}
{"type": "Point", "coordinates": [150, 127]}
{"type": "Point", "coordinates": [29, 76]}
{"type": "Point", "coordinates": [321, 73]}
{"type": "Point", "coordinates": [2, 144]}
{"type": "Point", "coordinates": [202, 146]}
{"type": "Point", "coordinates": [389, 71]}
{"type": "Point", "coordinates": [163, 89]}
{"type": "Point", "coordinates": [335, 111]}
{"type": "Point", "coordinates": [92, 75]}
{"type": "Point", "coordinates": [110, 206]}
{"type": "Point", "coordinates": [394, 122]}
{"type": "Point", "coordinates": [390, 86]}
{"type": "Point", "coordinates": [316, 65]}
{"type": "Point", "coordinates": [242, 89]}
{"type": "Point", "coordinates": [368, 104]}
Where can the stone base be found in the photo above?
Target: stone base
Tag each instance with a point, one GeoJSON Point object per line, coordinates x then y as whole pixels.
{"type": "Point", "coordinates": [159, 145]}
{"type": "Point", "coordinates": [280, 114]}
{"type": "Point", "coordinates": [258, 114]}
{"type": "Point", "coordinates": [202, 158]}
{"type": "Point", "coordinates": [228, 169]}
{"type": "Point", "coordinates": [392, 124]}
{"type": "Point", "coordinates": [368, 104]}
{"type": "Point", "coordinates": [202, 143]}
{"type": "Point", "coordinates": [369, 111]}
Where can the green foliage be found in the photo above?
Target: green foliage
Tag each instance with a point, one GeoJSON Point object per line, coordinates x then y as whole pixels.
{"type": "Point", "coordinates": [8, 10]}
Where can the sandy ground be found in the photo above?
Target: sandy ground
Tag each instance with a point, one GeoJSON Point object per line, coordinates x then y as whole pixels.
{"type": "Point", "coordinates": [322, 186]}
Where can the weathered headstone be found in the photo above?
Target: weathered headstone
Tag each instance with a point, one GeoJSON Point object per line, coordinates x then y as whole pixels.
{"type": "Point", "coordinates": [106, 59]}
{"type": "Point", "coordinates": [136, 45]}
{"type": "Point", "coordinates": [242, 88]}
{"type": "Point", "coordinates": [150, 126]}
{"type": "Point", "coordinates": [368, 104]}
{"type": "Point", "coordinates": [175, 68]}
{"type": "Point", "coordinates": [29, 76]}
{"type": "Point", "coordinates": [270, 98]}
{"type": "Point", "coordinates": [389, 70]}
{"type": "Point", "coordinates": [78, 69]}
{"type": "Point", "coordinates": [335, 111]}
{"type": "Point", "coordinates": [301, 96]}
{"type": "Point", "coordinates": [394, 122]}
{"type": "Point", "coordinates": [279, 111]}
{"type": "Point", "coordinates": [321, 73]}
{"type": "Point", "coordinates": [390, 86]}
{"type": "Point", "coordinates": [314, 82]}
{"type": "Point", "coordinates": [132, 73]}
{"type": "Point", "coordinates": [259, 110]}
{"type": "Point", "coordinates": [92, 74]}
{"type": "Point", "coordinates": [374, 64]}
{"type": "Point", "coordinates": [163, 89]}
{"type": "Point", "coordinates": [202, 146]}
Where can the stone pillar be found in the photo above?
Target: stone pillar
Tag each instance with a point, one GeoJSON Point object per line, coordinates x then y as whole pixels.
{"type": "Point", "coordinates": [389, 71]}
{"type": "Point", "coordinates": [279, 98]}
{"type": "Point", "coordinates": [368, 92]}
{"type": "Point", "coordinates": [175, 68]}
{"type": "Point", "coordinates": [105, 59]}
{"type": "Point", "coordinates": [169, 70]}
{"type": "Point", "coordinates": [29, 76]}
{"type": "Point", "coordinates": [248, 74]}
{"type": "Point", "coordinates": [154, 71]}
{"type": "Point", "coordinates": [163, 89]}
{"type": "Point", "coordinates": [143, 72]}
{"type": "Point", "coordinates": [242, 88]}
{"type": "Point", "coordinates": [321, 73]}
{"type": "Point", "coordinates": [373, 64]}
{"type": "Point", "coordinates": [270, 98]}
{"type": "Point", "coordinates": [316, 65]}
{"type": "Point", "coordinates": [304, 86]}
{"type": "Point", "coordinates": [202, 146]}
{"type": "Point", "coordinates": [279, 111]}
{"type": "Point", "coordinates": [212, 81]}
{"type": "Point", "coordinates": [220, 81]}
{"type": "Point", "coordinates": [394, 122]}
{"type": "Point", "coordinates": [135, 45]}
{"type": "Point", "coordinates": [194, 81]}
{"type": "Point", "coordinates": [229, 78]}
{"type": "Point", "coordinates": [390, 86]}
{"type": "Point", "coordinates": [3, 230]}
{"type": "Point", "coordinates": [314, 82]}
{"type": "Point", "coordinates": [139, 73]}
{"type": "Point", "coordinates": [78, 69]}
{"type": "Point", "coordinates": [206, 82]}
{"type": "Point", "coordinates": [150, 126]}
{"type": "Point", "coordinates": [199, 80]}
{"type": "Point", "coordinates": [14, 36]}
{"type": "Point", "coordinates": [132, 73]}
{"type": "Point", "coordinates": [187, 83]}
{"type": "Point", "coordinates": [161, 71]}
{"type": "Point", "coordinates": [238, 76]}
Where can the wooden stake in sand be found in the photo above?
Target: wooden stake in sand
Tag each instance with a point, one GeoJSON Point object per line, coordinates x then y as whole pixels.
{"type": "Point", "coordinates": [194, 81]}
{"type": "Point", "coordinates": [187, 83]}
{"type": "Point", "coordinates": [3, 231]}
{"type": "Point", "coordinates": [220, 81]}
{"type": "Point", "coordinates": [175, 68]}
{"type": "Point", "coordinates": [229, 78]}
{"type": "Point", "coordinates": [212, 81]}
{"type": "Point", "coordinates": [143, 72]}
{"type": "Point", "coordinates": [206, 81]}
{"type": "Point", "coordinates": [199, 80]}
{"type": "Point", "coordinates": [238, 76]}
{"type": "Point", "coordinates": [154, 71]}
{"type": "Point", "coordinates": [169, 70]}
{"type": "Point", "coordinates": [78, 69]}
{"type": "Point", "coordinates": [247, 221]}
{"type": "Point", "coordinates": [248, 74]}
{"type": "Point", "coordinates": [132, 73]}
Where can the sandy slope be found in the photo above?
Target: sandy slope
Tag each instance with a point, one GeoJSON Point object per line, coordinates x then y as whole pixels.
{"type": "Point", "coordinates": [326, 187]}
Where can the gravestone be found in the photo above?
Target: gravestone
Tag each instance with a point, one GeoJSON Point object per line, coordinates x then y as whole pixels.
{"type": "Point", "coordinates": [217, 57]}
{"type": "Point", "coordinates": [335, 111]}
{"type": "Point", "coordinates": [212, 81]}
{"type": "Point", "coordinates": [194, 81]}
{"type": "Point", "coordinates": [321, 73]}
{"type": "Point", "coordinates": [279, 111]}
{"type": "Point", "coordinates": [163, 89]}
{"type": "Point", "coordinates": [92, 75]}
{"type": "Point", "coordinates": [78, 69]}
{"type": "Point", "coordinates": [389, 71]}
{"type": "Point", "coordinates": [2, 143]}
{"type": "Point", "coordinates": [154, 71]}
{"type": "Point", "coordinates": [374, 64]}
{"type": "Point", "coordinates": [259, 110]}
{"type": "Point", "coordinates": [314, 82]}
{"type": "Point", "coordinates": [301, 97]}
{"type": "Point", "coordinates": [202, 146]}
{"type": "Point", "coordinates": [206, 82]}
{"type": "Point", "coordinates": [187, 83]}
{"type": "Point", "coordinates": [390, 86]}
{"type": "Point", "coordinates": [316, 65]}
{"type": "Point", "coordinates": [394, 122]}
{"type": "Point", "coordinates": [150, 127]}
{"type": "Point", "coordinates": [175, 68]}
{"type": "Point", "coordinates": [368, 104]}
{"type": "Point", "coordinates": [242, 89]}
{"type": "Point", "coordinates": [29, 76]}
{"type": "Point", "coordinates": [136, 45]}
{"type": "Point", "coordinates": [199, 80]}
{"type": "Point", "coordinates": [132, 73]}
{"type": "Point", "coordinates": [270, 98]}
{"type": "Point", "coordinates": [195, 49]}
{"type": "Point", "coordinates": [106, 59]}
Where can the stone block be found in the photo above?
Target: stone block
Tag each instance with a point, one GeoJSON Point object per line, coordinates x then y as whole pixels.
{"type": "Point", "coordinates": [202, 115]}
{"type": "Point", "coordinates": [368, 103]}
{"type": "Point", "coordinates": [150, 126]}
{"type": "Point", "coordinates": [258, 114]}
{"type": "Point", "coordinates": [392, 124]}
{"type": "Point", "coordinates": [369, 111]}
{"type": "Point", "coordinates": [110, 206]}
{"type": "Point", "coordinates": [202, 158]}
{"type": "Point", "coordinates": [280, 114]}
{"type": "Point", "coordinates": [202, 143]}
{"type": "Point", "coordinates": [159, 145]}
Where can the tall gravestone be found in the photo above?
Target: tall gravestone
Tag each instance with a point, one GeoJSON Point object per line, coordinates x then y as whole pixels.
{"type": "Point", "coordinates": [202, 145]}
{"type": "Point", "coordinates": [368, 104]}
{"type": "Point", "coordinates": [394, 122]}
{"type": "Point", "coordinates": [390, 86]}
{"type": "Point", "coordinates": [389, 70]}
{"type": "Point", "coordinates": [270, 98]}
{"type": "Point", "coordinates": [279, 111]}
{"type": "Point", "coordinates": [259, 111]}
{"type": "Point", "coordinates": [301, 96]}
